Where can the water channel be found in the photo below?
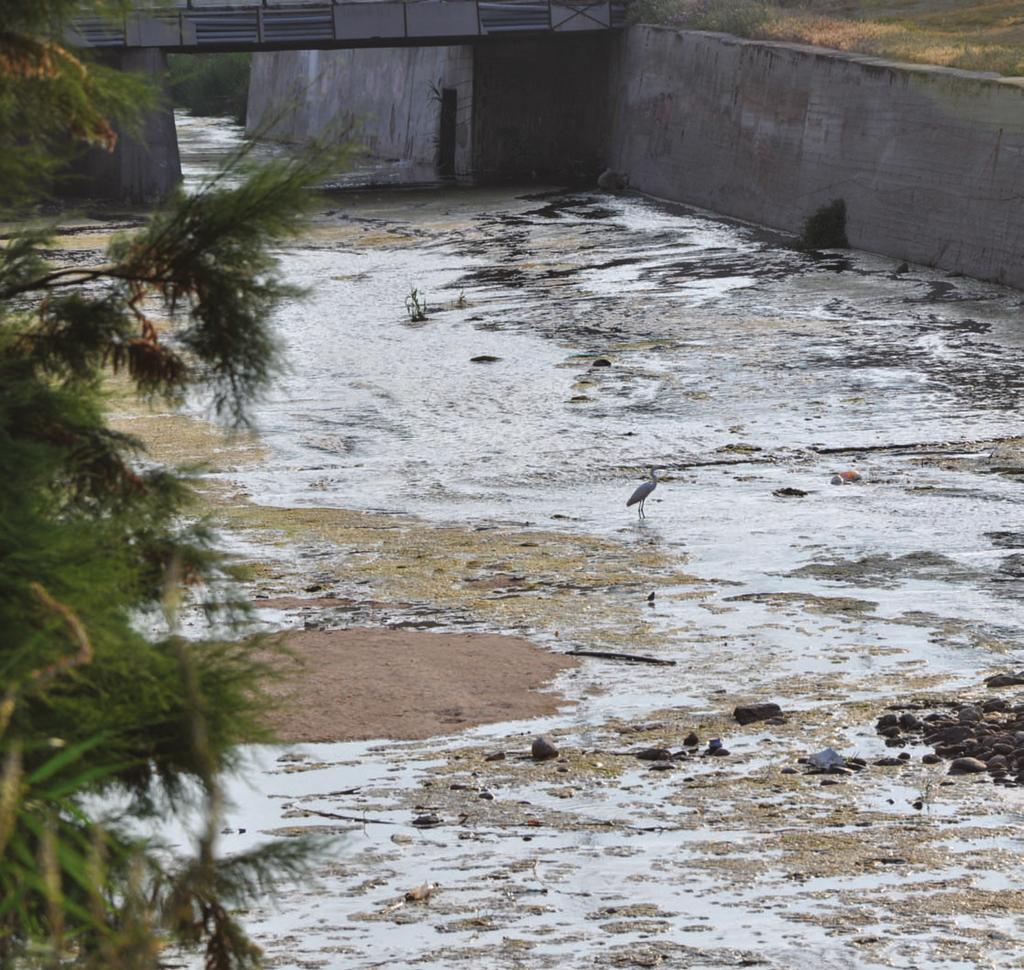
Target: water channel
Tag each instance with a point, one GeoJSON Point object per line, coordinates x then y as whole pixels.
{"type": "Point", "coordinates": [572, 339]}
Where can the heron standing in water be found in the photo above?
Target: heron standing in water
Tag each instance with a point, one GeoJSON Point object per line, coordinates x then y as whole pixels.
{"type": "Point", "coordinates": [641, 493]}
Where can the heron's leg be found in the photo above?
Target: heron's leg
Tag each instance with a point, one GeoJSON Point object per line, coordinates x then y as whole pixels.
{"type": "Point", "coordinates": [640, 509]}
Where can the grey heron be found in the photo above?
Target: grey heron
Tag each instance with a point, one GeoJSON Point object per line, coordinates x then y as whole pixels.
{"type": "Point", "coordinates": [641, 493]}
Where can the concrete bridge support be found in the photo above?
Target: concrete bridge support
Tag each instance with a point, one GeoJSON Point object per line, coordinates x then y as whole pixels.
{"type": "Point", "coordinates": [145, 165]}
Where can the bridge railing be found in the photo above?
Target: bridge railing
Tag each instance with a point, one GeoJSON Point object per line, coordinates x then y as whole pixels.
{"type": "Point", "coordinates": [296, 24]}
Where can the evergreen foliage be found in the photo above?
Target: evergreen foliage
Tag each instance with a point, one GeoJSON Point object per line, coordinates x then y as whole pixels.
{"type": "Point", "coordinates": [98, 692]}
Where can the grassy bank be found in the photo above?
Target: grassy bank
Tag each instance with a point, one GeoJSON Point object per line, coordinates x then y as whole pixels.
{"type": "Point", "coordinates": [974, 36]}
{"type": "Point", "coordinates": [211, 84]}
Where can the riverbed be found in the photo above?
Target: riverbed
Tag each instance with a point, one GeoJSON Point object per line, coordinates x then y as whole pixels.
{"type": "Point", "coordinates": [571, 340]}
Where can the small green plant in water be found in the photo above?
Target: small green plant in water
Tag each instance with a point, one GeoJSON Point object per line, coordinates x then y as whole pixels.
{"type": "Point", "coordinates": [416, 306]}
{"type": "Point", "coordinates": [826, 229]}
{"type": "Point", "coordinates": [461, 303]}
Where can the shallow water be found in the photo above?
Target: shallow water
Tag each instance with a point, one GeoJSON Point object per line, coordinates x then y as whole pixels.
{"type": "Point", "coordinates": [740, 366]}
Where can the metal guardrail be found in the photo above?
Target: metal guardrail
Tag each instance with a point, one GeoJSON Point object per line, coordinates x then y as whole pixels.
{"type": "Point", "coordinates": [193, 25]}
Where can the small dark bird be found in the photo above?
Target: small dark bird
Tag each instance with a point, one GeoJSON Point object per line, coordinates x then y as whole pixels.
{"type": "Point", "coordinates": [641, 493]}
{"type": "Point", "coordinates": [650, 598]}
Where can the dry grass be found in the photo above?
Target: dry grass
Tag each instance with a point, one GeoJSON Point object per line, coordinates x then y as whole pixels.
{"type": "Point", "coordinates": [973, 36]}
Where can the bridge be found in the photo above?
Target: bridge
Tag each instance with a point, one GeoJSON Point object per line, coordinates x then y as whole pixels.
{"type": "Point", "coordinates": [520, 85]}
{"type": "Point", "coordinates": [194, 26]}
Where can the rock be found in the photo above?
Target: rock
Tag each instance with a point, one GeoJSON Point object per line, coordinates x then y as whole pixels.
{"type": "Point", "coordinates": [749, 713]}
{"type": "Point", "coordinates": [888, 762]}
{"type": "Point", "coordinates": [662, 766]}
{"type": "Point", "coordinates": [902, 268]}
{"type": "Point", "coordinates": [428, 821]}
{"type": "Point", "coordinates": [892, 731]}
{"type": "Point", "coordinates": [719, 752]}
{"type": "Point", "coordinates": [997, 762]}
{"type": "Point", "coordinates": [601, 362]}
{"type": "Point", "coordinates": [911, 723]}
{"type": "Point", "coordinates": [789, 771]}
{"type": "Point", "coordinates": [484, 359]}
{"type": "Point", "coordinates": [951, 735]}
{"type": "Point", "coordinates": [967, 766]}
{"type": "Point", "coordinates": [497, 756]}
{"type": "Point", "coordinates": [1005, 680]}
{"type": "Point", "coordinates": [887, 721]}
{"type": "Point", "coordinates": [835, 480]}
{"type": "Point", "coordinates": [691, 740]}
{"type": "Point", "coordinates": [969, 715]}
{"type": "Point", "coordinates": [995, 704]}
{"type": "Point", "coordinates": [849, 476]}
{"type": "Point", "coordinates": [654, 754]}
{"type": "Point", "coordinates": [542, 749]}
{"type": "Point", "coordinates": [486, 796]}
{"type": "Point", "coordinates": [789, 493]}
{"type": "Point", "coordinates": [931, 759]}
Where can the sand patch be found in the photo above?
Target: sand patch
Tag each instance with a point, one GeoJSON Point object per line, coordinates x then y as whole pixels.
{"type": "Point", "coordinates": [358, 684]}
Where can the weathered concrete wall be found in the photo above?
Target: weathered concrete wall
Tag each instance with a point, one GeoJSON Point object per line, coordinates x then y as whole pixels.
{"type": "Point", "coordinates": [389, 99]}
{"type": "Point", "coordinates": [930, 161]}
{"type": "Point", "coordinates": [541, 106]}
{"type": "Point", "coordinates": [144, 167]}
{"type": "Point", "coordinates": [524, 106]}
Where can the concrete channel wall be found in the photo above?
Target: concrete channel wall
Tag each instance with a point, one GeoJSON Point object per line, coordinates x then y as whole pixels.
{"type": "Point", "coordinates": [930, 161]}
{"type": "Point", "coordinates": [388, 99]}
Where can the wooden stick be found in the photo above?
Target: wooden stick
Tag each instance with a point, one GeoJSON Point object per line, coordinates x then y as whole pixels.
{"type": "Point", "coordinates": [627, 657]}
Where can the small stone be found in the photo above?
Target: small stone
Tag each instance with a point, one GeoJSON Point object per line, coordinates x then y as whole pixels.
{"type": "Point", "coordinates": [911, 723]}
{"type": "Point", "coordinates": [400, 838]}
{"type": "Point", "coordinates": [903, 756]}
{"type": "Point", "coordinates": [601, 362]}
{"type": "Point", "coordinates": [662, 766]}
{"type": "Point", "coordinates": [967, 766]}
{"type": "Point", "coordinates": [969, 715]}
{"type": "Point", "coordinates": [931, 759]}
{"type": "Point", "coordinates": [486, 796]}
{"type": "Point", "coordinates": [484, 359]}
{"type": "Point", "coordinates": [889, 732]}
{"type": "Point", "coordinates": [542, 749]}
{"type": "Point", "coordinates": [830, 781]}
{"type": "Point", "coordinates": [995, 704]}
{"type": "Point", "coordinates": [718, 752]}
{"type": "Point", "coordinates": [887, 721]}
{"type": "Point", "coordinates": [691, 740]}
{"type": "Point", "coordinates": [789, 492]}
{"type": "Point", "coordinates": [789, 771]}
{"type": "Point", "coordinates": [1005, 680]}
{"type": "Point", "coordinates": [427, 821]}
{"type": "Point", "coordinates": [888, 763]}
{"type": "Point", "coordinates": [749, 713]}
{"type": "Point", "coordinates": [497, 756]}
{"type": "Point", "coordinates": [654, 754]}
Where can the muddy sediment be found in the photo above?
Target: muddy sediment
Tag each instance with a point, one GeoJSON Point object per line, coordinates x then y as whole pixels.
{"type": "Point", "coordinates": [361, 683]}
